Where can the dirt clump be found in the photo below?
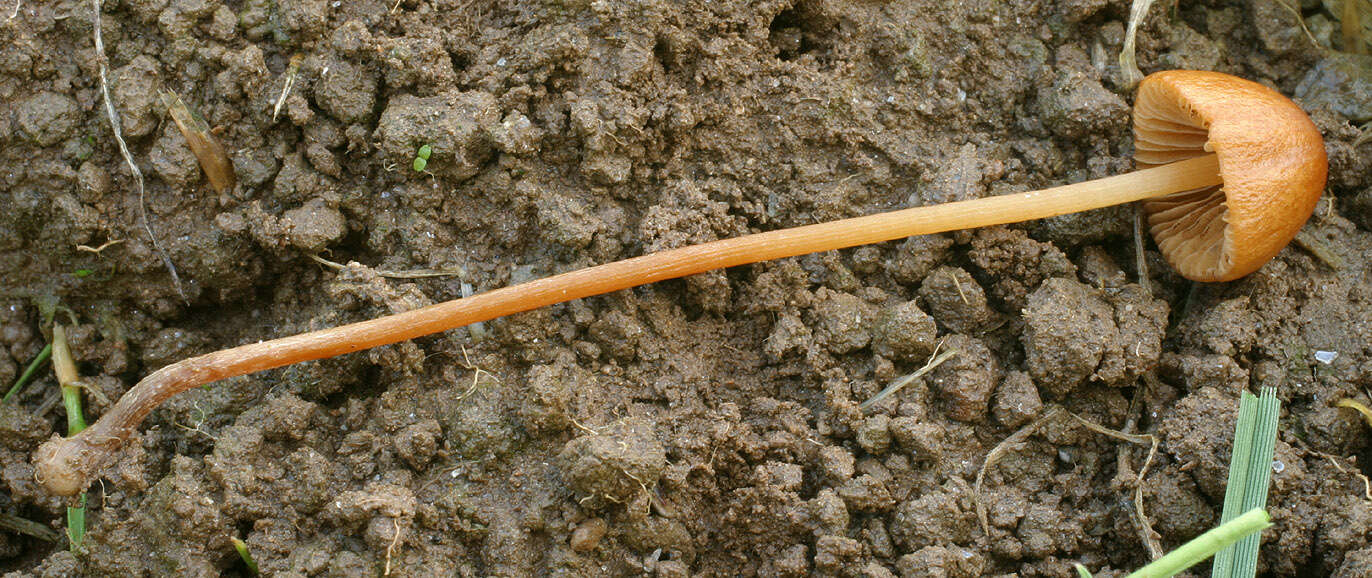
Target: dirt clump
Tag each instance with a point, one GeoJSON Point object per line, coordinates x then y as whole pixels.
{"type": "Point", "coordinates": [1074, 333]}
{"type": "Point", "coordinates": [613, 465]}
{"type": "Point", "coordinates": [455, 125]}
{"type": "Point", "coordinates": [47, 118]}
{"type": "Point", "coordinates": [956, 300]}
{"type": "Point", "coordinates": [904, 332]}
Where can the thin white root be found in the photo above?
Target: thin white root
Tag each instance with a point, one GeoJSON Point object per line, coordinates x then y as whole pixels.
{"type": "Point", "coordinates": [113, 115]}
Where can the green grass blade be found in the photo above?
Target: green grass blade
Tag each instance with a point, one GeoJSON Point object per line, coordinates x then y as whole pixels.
{"type": "Point", "coordinates": [64, 365]}
{"type": "Point", "coordinates": [1205, 545]}
{"type": "Point", "coordinates": [76, 525]}
{"type": "Point", "coordinates": [29, 371]}
{"type": "Point", "coordinates": [1238, 472]}
{"type": "Point", "coordinates": [1250, 475]}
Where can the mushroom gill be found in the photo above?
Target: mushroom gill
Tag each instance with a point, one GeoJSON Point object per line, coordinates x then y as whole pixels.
{"type": "Point", "coordinates": [1189, 226]}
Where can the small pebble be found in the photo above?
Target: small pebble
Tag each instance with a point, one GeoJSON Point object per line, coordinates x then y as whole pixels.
{"type": "Point", "coordinates": [587, 535]}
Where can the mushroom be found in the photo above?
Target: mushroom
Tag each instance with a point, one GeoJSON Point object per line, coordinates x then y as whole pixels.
{"type": "Point", "coordinates": [1272, 164]}
{"type": "Point", "coordinates": [1230, 171]}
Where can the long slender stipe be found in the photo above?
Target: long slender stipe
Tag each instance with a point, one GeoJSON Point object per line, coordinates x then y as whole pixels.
{"type": "Point", "coordinates": [67, 466]}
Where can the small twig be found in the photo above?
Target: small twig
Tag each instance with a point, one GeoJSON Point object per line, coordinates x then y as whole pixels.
{"type": "Point", "coordinates": [113, 115]}
{"type": "Point", "coordinates": [1296, 11]}
{"type": "Point", "coordinates": [1145, 526]}
{"type": "Point", "coordinates": [101, 248]}
{"type": "Point", "coordinates": [15, 13]}
{"type": "Point", "coordinates": [1319, 249]}
{"type": "Point", "coordinates": [1141, 258]}
{"type": "Point", "coordinates": [414, 274]}
{"type": "Point", "coordinates": [1366, 484]}
{"type": "Point", "coordinates": [27, 527]}
{"type": "Point", "coordinates": [1119, 435]}
{"type": "Point", "coordinates": [1052, 414]}
{"type": "Point", "coordinates": [899, 384]}
{"type": "Point", "coordinates": [1147, 535]}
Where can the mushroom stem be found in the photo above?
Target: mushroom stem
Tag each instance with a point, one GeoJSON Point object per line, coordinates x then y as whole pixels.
{"type": "Point", "coordinates": [66, 466]}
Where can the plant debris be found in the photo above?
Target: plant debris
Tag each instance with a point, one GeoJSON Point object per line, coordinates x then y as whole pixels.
{"type": "Point", "coordinates": [213, 160]}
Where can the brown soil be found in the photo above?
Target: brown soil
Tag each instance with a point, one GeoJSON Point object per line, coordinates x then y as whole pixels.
{"type": "Point", "coordinates": [700, 427]}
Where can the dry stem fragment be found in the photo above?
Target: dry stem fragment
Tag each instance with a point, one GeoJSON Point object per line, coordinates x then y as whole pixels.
{"type": "Point", "coordinates": [213, 160]}
{"type": "Point", "coordinates": [292, 70]}
{"type": "Point", "coordinates": [412, 274]}
{"type": "Point", "coordinates": [1054, 414]}
{"type": "Point", "coordinates": [1146, 533]}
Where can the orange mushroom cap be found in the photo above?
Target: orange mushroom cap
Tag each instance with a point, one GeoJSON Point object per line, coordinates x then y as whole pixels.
{"type": "Point", "coordinates": [1271, 159]}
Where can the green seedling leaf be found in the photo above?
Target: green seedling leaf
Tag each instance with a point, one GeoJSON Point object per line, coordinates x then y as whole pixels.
{"type": "Point", "coordinates": [83, 273]}
{"type": "Point", "coordinates": [76, 525]}
{"type": "Point", "coordinates": [1205, 545]}
{"type": "Point", "coordinates": [30, 371]}
{"type": "Point", "coordinates": [425, 151]}
{"type": "Point", "coordinates": [64, 365]}
{"type": "Point", "coordinates": [420, 164]}
{"type": "Point", "coordinates": [1250, 474]}
{"type": "Point", "coordinates": [242, 548]}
